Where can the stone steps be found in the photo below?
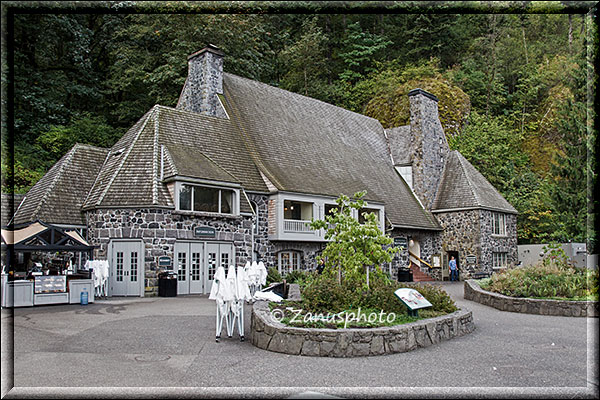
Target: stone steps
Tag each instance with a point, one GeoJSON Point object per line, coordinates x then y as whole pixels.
{"type": "Point", "coordinates": [418, 275]}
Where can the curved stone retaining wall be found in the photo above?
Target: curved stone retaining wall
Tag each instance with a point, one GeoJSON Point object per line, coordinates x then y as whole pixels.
{"type": "Point", "coordinates": [270, 334]}
{"type": "Point", "coordinates": [530, 306]}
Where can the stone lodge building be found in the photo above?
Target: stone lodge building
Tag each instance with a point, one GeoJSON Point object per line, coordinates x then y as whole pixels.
{"type": "Point", "coordinates": [238, 167]}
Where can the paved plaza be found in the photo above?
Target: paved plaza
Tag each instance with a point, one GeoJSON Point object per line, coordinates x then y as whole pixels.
{"type": "Point", "coordinates": [164, 347]}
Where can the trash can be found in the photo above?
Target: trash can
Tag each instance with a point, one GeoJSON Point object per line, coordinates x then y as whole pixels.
{"type": "Point", "coordinates": [405, 275]}
{"type": "Point", "coordinates": [167, 284]}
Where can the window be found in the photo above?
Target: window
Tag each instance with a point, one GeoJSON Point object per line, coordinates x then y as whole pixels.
{"type": "Point", "coordinates": [499, 260]}
{"type": "Point", "coordinates": [288, 261]}
{"type": "Point", "coordinates": [498, 224]}
{"type": "Point", "coordinates": [329, 209]}
{"type": "Point", "coordinates": [297, 210]}
{"type": "Point", "coordinates": [207, 199]}
{"type": "Point", "coordinates": [361, 217]}
{"type": "Point", "coordinates": [296, 215]}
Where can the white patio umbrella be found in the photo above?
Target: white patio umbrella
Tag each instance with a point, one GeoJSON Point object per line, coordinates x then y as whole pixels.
{"type": "Point", "coordinates": [230, 298]}
{"type": "Point", "coordinates": [262, 275]}
{"type": "Point", "coordinates": [242, 294]}
{"type": "Point", "coordinates": [219, 292]}
{"type": "Point", "coordinates": [252, 273]}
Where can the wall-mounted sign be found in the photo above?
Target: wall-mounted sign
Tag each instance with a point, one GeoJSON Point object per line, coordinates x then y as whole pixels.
{"type": "Point", "coordinates": [165, 261]}
{"type": "Point", "coordinates": [436, 261]}
{"type": "Point", "coordinates": [204, 231]}
{"type": "Point", "coordinates": [471, 259]}
{"type": "Point", "coordinates": [412, 299]}
{"type": "Point", "coordinates": [400, 242]}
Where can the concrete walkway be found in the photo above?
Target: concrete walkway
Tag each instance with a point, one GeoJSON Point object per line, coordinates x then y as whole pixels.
{"type": "Point", "coordinates": [165, 347]}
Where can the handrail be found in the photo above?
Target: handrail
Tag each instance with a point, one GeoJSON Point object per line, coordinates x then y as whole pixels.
{"type": "Point", "coordinates": [410, 253]}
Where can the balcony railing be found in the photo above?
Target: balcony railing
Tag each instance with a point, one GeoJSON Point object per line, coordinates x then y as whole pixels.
{"type": "Point", "coordinates": [296, 225]}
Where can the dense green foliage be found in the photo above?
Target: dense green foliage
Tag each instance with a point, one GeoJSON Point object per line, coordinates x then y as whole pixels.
{"type": "Point", "coordinates": [323, 293]}
{"type": "Point", "coordinates": [273, 276]}
{"type": "Point", "coordinates": [553, 278]}
{"type": "Point", "coordinates": [353, 247]}
{"type": "Point", "coordinates": [512, 86]}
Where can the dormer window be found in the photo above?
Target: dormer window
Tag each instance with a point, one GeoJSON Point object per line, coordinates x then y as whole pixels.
{"type": "Point", "coordinates": [206, 199]}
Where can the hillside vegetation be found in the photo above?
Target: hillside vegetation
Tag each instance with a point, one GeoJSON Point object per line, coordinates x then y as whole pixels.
{"type": "Point", "coordinates": [512, 87]}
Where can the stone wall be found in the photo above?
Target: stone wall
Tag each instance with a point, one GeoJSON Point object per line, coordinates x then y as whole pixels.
{"type": "Point", "coordinates": [493, 243]}
{"type": "Point", "coordinates": [159, 229]}
{"type": "Point", "coordinates": [269, 334]}
{"type": "Point", "coordinates": [429, 147]}
{"type": "Point", "coordinates": [204, 83]}
{"type": "Point", "coordinates": [562, 308]}
{"type": "Point", "coordinates": [462, 233]}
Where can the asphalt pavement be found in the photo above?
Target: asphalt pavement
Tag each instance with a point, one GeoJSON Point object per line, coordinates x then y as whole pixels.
{"type": "Point", "coordinates": [165, 348]}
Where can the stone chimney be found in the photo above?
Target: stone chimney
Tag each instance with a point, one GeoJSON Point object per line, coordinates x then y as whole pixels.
{"type": "Point", "coordinates": [429, 147]}
{"type": "Point", "coordinates": [204, 83]}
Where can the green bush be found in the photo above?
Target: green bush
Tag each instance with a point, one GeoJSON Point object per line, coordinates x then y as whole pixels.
{"type": "Point", "coordinates": [297, 276]}
{"type": "Point", "coordinates": [325, 294]}
{"type": "Point", "coordinates": [273, 276]}
{"type": "Point", "coordinates": [549, 279]}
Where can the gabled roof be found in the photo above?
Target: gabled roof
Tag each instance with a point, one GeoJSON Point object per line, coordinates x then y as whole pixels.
{"type": "Point", "coordinates": [59, 195]}
{"type": "Point", "coordinates": [462, 186]}
{"type": "Point", "coordinates": [304, 145]}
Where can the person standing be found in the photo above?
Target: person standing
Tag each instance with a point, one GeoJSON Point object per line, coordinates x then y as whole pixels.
{"type": "Point", "coordinates": [453, 269]}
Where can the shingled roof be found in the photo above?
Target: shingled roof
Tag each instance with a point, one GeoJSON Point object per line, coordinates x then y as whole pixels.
{"type": "Point", "coordinates": [60, 194]}
{"type": "Point", "coordinates": [399, 139]}
{"type": "Point", "coordinates": [304, 145]}
{"type": "Point", "coordinates": [462, 186]}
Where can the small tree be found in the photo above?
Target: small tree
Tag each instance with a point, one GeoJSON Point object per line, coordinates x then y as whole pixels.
{"type": "Point", "coordinates": [353, 246]}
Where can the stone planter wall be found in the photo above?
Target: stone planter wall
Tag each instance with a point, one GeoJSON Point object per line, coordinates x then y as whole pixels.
{"type": "Point", "coordinates": [530, 306]}
{"type": "Point", "coordinates": [269, 334]}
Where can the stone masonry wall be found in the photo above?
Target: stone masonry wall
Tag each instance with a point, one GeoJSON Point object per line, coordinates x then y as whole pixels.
{"type": "Point", "coordinates": [462, 233]}
{"type": "Point", "coordinates": [269, 334]}
{"type": "Point", "coordinates": [159, 229]}
{"type": "Point", "coordinates": [428, 146]}
{"type": "Point", "coordinates": [493, 243]}
{"type": "Point", "coordinates": [203, 84]}
{"type": "Point", "coordinates": [530, 306]}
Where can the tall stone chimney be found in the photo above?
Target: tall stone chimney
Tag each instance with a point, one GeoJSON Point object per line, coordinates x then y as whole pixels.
{"type": "Point", "coordinates": [429, 147]}
{"type": "Point", "coordinates": [204, 83]}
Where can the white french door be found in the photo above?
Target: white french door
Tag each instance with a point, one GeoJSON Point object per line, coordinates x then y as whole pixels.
{"type": "Point", "coordinates": [197, 262]}
{"type": "Point", "coordinates": [127, 268]}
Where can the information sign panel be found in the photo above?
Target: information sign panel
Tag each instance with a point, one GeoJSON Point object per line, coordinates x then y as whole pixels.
{"type": "Point", "coordinates": [412, 299]}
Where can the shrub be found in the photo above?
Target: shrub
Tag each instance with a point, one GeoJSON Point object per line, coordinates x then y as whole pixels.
{"type": "Point", "coordinates": [553, 278]}
{"type": "Point", "coordinates": [325, 294]}
{"type": "Point", "coordinates": [273, 276]}
{"type": "Point", "coordinates": [297, 276]}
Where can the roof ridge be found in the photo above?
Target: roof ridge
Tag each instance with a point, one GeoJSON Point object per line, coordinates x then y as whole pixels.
{"type": "Point", "coordinates": [155, 156]}
{"type": "Point", "coordinates": [96, 180]}
{"type": "Point", "coordinates": [135, 139]}
{"type": "Point", "coordinates": [167, 154]}
{"type": "Point", "coordinates": [302, 95]}
{"type": "Point", "coordinates": [90, 146]}
{"type": "Point", "coordinates": [468, 177]}
{"type": "Point", "coordinates": [65, 163]}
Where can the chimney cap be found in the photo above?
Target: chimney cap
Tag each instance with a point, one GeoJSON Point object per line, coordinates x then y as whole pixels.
{"type": "Point", "coordinates": [417, 91]}
{"type": "Point", "coordinates": [210, 48]}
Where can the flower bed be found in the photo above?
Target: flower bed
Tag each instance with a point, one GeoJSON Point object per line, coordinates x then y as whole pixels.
{"type": "Point", "coordinates": [270, 334]}
{"type": "Point", "coordinates": [564, 308]}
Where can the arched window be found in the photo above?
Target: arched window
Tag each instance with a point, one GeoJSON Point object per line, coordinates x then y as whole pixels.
{"type": "Point", "coordinates": [288, 261]}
